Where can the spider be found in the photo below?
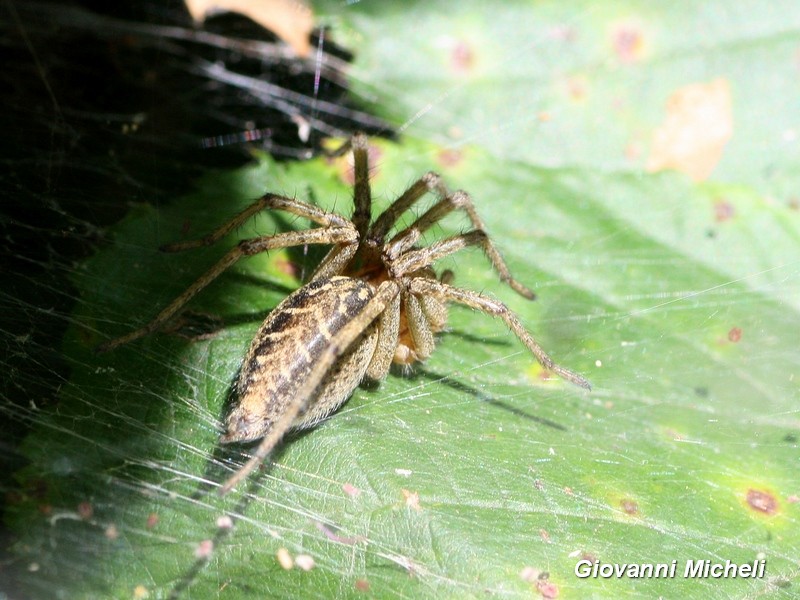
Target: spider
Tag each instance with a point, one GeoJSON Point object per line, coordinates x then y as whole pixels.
{"type": "Point", "coordinates": [372, 301]}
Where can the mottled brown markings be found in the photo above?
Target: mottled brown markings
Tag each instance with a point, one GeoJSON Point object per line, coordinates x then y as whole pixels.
{"type": "Point", "coordinates": [762, 501]}
{"type": "Point", "coordinates": [293, 336]}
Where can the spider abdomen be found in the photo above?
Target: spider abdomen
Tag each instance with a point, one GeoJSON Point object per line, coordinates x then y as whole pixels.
{"type": "Point", "coordinates": [285, 349]}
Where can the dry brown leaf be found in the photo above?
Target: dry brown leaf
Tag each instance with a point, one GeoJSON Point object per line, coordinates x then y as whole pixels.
{"type": "Point", "coordinates": [290, 20]}
{"type": "Point", "coordinates": [698, 124]}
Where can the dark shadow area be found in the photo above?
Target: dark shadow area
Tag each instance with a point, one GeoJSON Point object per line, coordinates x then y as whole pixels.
{"type": "Point", "coordinates": [463, 388]}
{"type": "Point", "coordinates": [194, 325]}
{"type": "Point", "coordinates": [111, 105]}
{"type": "Point", "coordinates": [228, 458]}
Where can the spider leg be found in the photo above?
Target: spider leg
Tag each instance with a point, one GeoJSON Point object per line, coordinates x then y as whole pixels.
{"type": "Point", "coordinates": [447, 293]}
{"type": "Point", "coordinates": [414, 260]}
{"type": "Point", "coordinates": [388, 331]}
{"type": "Point", "coordinates": [266, 202]}
{"type": "Point", "coordinates": [386, 220]}
{"type": "Point", "coordinates": [419, 325]}
{"type": "Point", "coordinates": [337, 346]}
{"type": "Point", "coordinates": [249, 247]}
{"type": "Point", "coordinates": [362, 196]}
{"type": "Point", "coordinates": [459, 200]}
{"type": "Point", "coordinates": [334, 261]}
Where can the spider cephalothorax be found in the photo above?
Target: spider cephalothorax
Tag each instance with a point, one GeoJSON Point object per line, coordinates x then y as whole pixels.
{"type": "Point", "coordinates": [373, 300]}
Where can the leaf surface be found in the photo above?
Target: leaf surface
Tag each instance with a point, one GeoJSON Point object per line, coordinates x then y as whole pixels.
{"type": "Point", "coordinates": [474, 473]}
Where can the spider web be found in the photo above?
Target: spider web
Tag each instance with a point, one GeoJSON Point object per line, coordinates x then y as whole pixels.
{"type": "Point", "coordinates": [474, 473]}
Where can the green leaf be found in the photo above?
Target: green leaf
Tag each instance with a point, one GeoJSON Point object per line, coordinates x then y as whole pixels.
{"type": "Point", "coordinates": [470, 475]}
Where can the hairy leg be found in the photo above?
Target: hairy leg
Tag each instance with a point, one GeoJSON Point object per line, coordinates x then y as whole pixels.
{"type": "Point", "coordinates": [334, 235]}
{"type": "Point", "coordinates": [386, 220]}
{"type": "Point", "coordinates": [413, 260]}
{"type": "Point", "coordinates": [362, 196]}
{"type": "Point", "coordinates": [448, 293]}
{"type": "Point", "coordinates": [405, 240]}
{"type": "Point", "coordinates": [266, 202]}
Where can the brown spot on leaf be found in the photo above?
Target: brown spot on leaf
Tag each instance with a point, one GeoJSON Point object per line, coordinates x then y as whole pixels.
{"type": "Point", "coordinates": [362, 585]}
{"type": "Point", "coordinates": [631, 507]}
{"type": "Point", "coordinates": [628, 42]}
{"type": "Point", "coordinates": [351, 490]}
{"type": "Point", "coordinates": [734, 335]}
{"type": "Point", "coordinates": [204, 549]}
{"type": "Point", "coordinates": [761, 501]}
{"type": "Point", "coordinates": [186, 227]}
{"type": "Point", "coordinates": [462, 58]}
{"type": "Point", "coordinates": [544, 535]}
{"type": "Point", "coordinates": [547, 588]}
{"type": "Point", "coordinates": [563, 33]}
{"type": "Point", "coordinates": [287, 267]}
{"type": "Point", "coordinates": [697, 126]}
{"type": "Point", "coordinates": [633, 150]}
{"type": "Point", "coordinates": [675, 435]}
{"type": "Point", "coordinates": [577, 88]}
{"type": "Point", "coordinates": [450, 157]}
{"type": "Point", "coordinates": [152, 520]}
{"type": "Point", "coordinates": [334, 536]}
{"type": "Point", "coordinates": [723, 210]}
{"type": "Point", "coordinates": [85, 510]}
